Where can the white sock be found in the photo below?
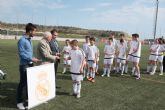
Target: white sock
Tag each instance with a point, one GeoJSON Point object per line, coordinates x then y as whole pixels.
{"type": "Point", "coordinates": [118, 69]}
{"type": "Point", "coordinates": [133, 70]}
{"type": "Point", "coordinates": [75, 88]}
{"type": "Point", "coordinates": [154, 69]}
{"type": "Point", "coordinates": [148, 68]}
{"type": "Point", "coordinates": [126, 68]}
{"type": "Point", "coordinates": [161, 69]}
{"type": "Point", "coordinates": [109, 70]}
{"type": "Point", "coordinates": [64, 70]}
{"type": "Point", "coordinates": [78, 87]}
{"type": "Point", "coordinates": [84, 73]}
{"type": "Point", "coordinates": [97, 67]}
{"type": "Point", "coordinates": [122, 68]}
{"type": "Point", "coordinates": [93, 74]}
{"type": "Point", "coordinates": [88, 74]}
{"type": "Point", "coordinates": [1, 72]}
{"type": "Point", "coordinates": [137, 72]}
{"type": "Point", "coordinates": [105, 71]}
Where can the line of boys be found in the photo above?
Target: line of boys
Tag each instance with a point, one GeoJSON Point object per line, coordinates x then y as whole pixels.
{"type": "Point", "coordinates": [86, 60]}
{"type": "Point", "coordinates": [115, 53]}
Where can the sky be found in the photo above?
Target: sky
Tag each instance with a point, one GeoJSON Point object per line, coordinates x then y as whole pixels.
{"type": "Point", "coordinates": [131, 16]}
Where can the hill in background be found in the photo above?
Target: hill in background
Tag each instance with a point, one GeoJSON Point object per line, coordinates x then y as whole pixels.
{"type": "Point", "coordinates": [65, 31]}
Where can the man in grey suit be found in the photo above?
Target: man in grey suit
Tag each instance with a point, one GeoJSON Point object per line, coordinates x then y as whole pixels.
{"type": "Point", "coordinates": [55, 48]}
{"type": "Point", "coordinates": [44, 52]}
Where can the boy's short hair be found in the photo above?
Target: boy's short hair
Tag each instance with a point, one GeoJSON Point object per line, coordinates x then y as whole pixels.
{"type": "Point", "coordinates": [30, 27]}
{"type": "Point", "coordinates": [163, 41]}
{"type": "Point", "coordinates": [92, 39]}
{"type": "Point", "coordinates": [87, 37]}
{"type": "Point", "coordinates": [110, 39]}
{"type": "Point", "coordinates": [121, 40]}
{"type": "Point", "coordinates": [122, 35]}
{"type": "Point", "coordinates": [112, 33]}
{"type": "Point", "coordinates": [160, 40]}
{"type": "Point", "coordinates": [67, 40]}
{"type": "Point", "coordinates": [74, 43]}
{"type": "Point", "coordinates": [135, 35]}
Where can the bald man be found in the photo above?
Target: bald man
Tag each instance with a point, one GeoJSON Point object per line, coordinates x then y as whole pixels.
{"type": "Point", "coordinates": [44, 51]}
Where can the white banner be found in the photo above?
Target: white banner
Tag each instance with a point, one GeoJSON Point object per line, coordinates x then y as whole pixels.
{"type": "Point", "coordinates": [41, 84]}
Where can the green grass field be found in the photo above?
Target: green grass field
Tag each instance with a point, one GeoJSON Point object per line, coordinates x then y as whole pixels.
{"type": "Point", "coordinates": [115, 93]}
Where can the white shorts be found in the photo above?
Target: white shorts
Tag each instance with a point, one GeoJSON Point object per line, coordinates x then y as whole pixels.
{"type": "Point", "coordinates": [108, 61]}
{"type": "Point", "coordinates": [120, 60]}
{"type": "Point", "coordinates": [91, 64]}
{"type": "Point", "coordinates": [160, 58]}
{"type": "Point", "coordinates": [77, 77]}
{"type": "Point", "coordinates": [153, 57]}
{"type": "Point", "coordinates": [133, 58]}
{"type": "Point", "coordinates": [67, 62]}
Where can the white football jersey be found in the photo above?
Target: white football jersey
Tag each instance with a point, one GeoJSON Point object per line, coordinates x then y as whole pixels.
{"type": "Point", "coordinates": [161, 49]}
{"type": "Point", "coordinates": [156, 48]}
{"type": "Point", "coordinates": [92, 52]}
{"type": "Point", "coordinates": [77, 56]}
{"type": "Point", "coordinates": [66, 50]}
{"type": "Point", "coordinates": [133, 46]}
{"type": "Point", "coordinates": [109, 49]}
{"type": "Point", "coordinates": [122, 49]}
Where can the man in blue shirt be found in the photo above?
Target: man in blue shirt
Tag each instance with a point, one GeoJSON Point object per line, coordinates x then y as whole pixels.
{"type": "Point", "coordinates": [25, 52]}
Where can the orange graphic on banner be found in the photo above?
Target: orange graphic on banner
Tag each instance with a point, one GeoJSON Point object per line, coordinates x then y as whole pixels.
{"type": "Point", "coordinates": [43, 86]}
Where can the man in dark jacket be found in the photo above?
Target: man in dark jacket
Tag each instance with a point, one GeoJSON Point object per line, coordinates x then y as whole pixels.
{"type": "Point", "coordinates": [55, 48]}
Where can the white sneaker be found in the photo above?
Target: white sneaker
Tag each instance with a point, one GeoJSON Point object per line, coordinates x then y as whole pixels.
{"type": "Point", "coordinates": [152, 73]}
{"type": "Point", "coordinates": [63, 72]}
{"type": "Point", "coordinates": [137, 78]}
{"type": "Point", "coordinates": [78, 95]}
{"type": "Point", "coordinates": [108, 75]}
{"type": "Point", "coordinates": [103, 75]}
{"type": "Point", "coordinates": [20, 106]}
{"type": "Point", "coordinates": [122, 74]}
{"type": "Point", "coordinates": [161, 74]}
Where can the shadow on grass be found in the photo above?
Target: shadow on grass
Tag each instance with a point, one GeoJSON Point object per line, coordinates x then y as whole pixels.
{"type": "Point", "coordinates": [62, 93]}
{"type": "Point", "coordinates": [63, 77]}
{"type": "Point", "coordinates": [8, 95]}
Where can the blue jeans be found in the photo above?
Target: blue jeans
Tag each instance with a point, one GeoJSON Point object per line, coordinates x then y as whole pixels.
{"type": "Point", "coordinates": [22, 84]}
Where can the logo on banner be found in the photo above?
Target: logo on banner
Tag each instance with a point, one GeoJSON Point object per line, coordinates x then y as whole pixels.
{"type": "Point", "coordinates": [42, 89]}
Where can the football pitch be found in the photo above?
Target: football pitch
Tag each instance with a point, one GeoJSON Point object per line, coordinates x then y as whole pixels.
{"type": "Point", "coordinates": [115, 93]}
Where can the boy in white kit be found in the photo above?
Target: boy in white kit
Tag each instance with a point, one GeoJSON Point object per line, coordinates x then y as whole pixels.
{"type": "Point", "coordinates": [97, 61]}
{"type": "Point", "coordinates": [92, 54]}
{"type": "Point", "coordinates": [85, 47]}
{"type": "Point", "coordinates": [160, 55]}
{"type": "Point", "coordinates": [109, 52]}
{"type": "Point", "coordinates": [77, 63]}
{"type": "Point", "coordinates": [134, 54]}
{"type": "Point", "coordinates": [154, 49]}
{"type": "Point", "coordinates": [65, 51]}
{"type": "Point", "coordinates": [121, 58]}
{"type": "Point", "coordinates": [112, 35]}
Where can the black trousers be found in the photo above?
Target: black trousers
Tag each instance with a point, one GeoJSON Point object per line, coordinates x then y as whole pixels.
{"type": "Point", "coordinates": [56, 67]}
{"type": "Point", "coordinates": [164, 64]}
{"type": "Point", "coordinates": [22, 83]}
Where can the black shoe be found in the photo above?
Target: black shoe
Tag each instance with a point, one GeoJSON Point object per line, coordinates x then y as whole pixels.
{"type": "Point", "coordinates": [57, 87]}
{"type": "Point", "coordinates": [4, 77]}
